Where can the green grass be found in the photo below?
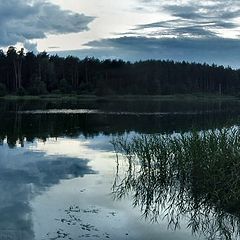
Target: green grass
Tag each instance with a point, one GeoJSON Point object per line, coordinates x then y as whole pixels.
{"type": "Point", "coordinates": [195, 174]}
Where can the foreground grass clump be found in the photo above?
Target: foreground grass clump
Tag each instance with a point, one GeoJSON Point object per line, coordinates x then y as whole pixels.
{"type": "Point", "coordinates": [194, 175]}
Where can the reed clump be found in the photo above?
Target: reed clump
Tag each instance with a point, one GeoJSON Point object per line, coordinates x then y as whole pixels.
{"type": "Point", "coordinates": [195, 174]}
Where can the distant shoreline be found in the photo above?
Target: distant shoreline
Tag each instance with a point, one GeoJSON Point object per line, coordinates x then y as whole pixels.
{"type": "Point", "coordinates": [75, 97]}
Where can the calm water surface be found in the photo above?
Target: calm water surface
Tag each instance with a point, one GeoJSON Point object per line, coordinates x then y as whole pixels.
{"type": "Point", "coordinates": [58, 166]}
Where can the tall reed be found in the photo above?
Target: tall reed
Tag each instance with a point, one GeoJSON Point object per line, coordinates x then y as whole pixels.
{"type": "Point", "coordinates": [194, 175]}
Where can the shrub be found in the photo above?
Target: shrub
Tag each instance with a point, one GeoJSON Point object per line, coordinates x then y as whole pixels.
{"type": "Point", "coordinates": [21, 91]}
{"type": "Point", "coordinates": [38, 87]}
{"type": "Point", "coordinates": [57, 91]}
{"type": "Point", "coordinates": [64, 86]}
{"type": "Point", "coordinates": [3, 90]}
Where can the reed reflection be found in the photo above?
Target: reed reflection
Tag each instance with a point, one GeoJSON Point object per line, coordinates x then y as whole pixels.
{"type": "Point", "coordinates": [192, 177]}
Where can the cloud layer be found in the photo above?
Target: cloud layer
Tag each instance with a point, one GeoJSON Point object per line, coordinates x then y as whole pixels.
{"type": "Point", "coordinates": [214, 50]}
{"type": "Point", "coordinates": [193, 18]}
{"type": "Point", "coordinates": [24, 20]}
{"type": "Point", "coordinates": [193, 30]}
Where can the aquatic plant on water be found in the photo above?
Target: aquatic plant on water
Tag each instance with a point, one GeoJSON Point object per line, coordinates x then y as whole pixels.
{"type": "Point", "coordinates": [195, 176]}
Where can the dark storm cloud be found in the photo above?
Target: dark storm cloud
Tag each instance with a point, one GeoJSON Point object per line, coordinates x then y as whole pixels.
{"type": "Point", "coordinates": [194, 18]}
{"type": "Point", "coordinates": [212, 50]}
{"type": "Point", "coordinates": [21, 21]}
{"type": "Point", "coordinates": [192, 28]}
{"type": "Point", "coordinates": [218, 11]}
{"type": "Point", "coordinates": [179, 28]}
{"type": "Point", "coordinates": [193, 32]}
{"type": "Point", "coordinates": [154, 44]}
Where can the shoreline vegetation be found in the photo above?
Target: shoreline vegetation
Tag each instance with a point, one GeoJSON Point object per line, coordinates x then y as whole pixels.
{"type": "Point", "coordinates": [92, 97]}
{"type": "Point", "coordinates": [192, 176]}
{"type": "Point", "coordinates": [42, 74]}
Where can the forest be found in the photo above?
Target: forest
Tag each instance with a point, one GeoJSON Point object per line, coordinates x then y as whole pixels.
{"type": "Point", "coordinates": [36, 74]}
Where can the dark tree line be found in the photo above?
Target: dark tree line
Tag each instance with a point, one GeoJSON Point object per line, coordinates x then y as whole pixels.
{"type": "Point", "coordinates": [27, 73]}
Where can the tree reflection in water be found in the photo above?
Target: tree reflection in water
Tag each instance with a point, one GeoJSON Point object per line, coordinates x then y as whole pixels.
{"type": "Point", "coordinates": [192, 176]}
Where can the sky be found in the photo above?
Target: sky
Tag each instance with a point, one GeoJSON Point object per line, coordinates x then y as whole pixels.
{"type": "Point", "coordinates": [190, 30]}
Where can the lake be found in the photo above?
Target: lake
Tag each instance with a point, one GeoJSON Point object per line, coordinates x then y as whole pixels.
{"type": "Point", "coordinates": [59, 168]}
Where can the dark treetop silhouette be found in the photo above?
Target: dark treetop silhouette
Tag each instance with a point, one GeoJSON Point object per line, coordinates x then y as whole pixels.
{"type": "Point", "coordinates": [40, 74]}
